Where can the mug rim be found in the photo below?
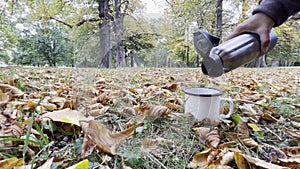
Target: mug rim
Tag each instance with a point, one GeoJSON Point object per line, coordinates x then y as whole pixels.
{"type": "Point", "coordinates": [218, 92]}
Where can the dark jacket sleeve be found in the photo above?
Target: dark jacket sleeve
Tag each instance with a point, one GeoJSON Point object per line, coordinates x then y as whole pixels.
{"type": "Point", "coordinates": [278, 10]}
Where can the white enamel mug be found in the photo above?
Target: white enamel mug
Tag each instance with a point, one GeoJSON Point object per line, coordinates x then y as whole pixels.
{"type": "Point", "coordinates": [204, 103]}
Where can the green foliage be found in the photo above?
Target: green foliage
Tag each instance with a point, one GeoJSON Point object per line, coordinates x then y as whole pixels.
{"type": "Point", "coordinates": [287, 47]}
{"type": "Point", "coordinates": [49, 45]}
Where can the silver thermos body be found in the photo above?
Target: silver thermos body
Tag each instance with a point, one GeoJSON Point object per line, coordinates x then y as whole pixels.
{"type": "Point", "coordinates": [234, 53]}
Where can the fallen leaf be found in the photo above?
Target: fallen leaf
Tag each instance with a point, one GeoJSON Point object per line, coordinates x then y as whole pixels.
{"type": "Point", "coordinates": [242, 130]}
{"type": "Point", "coordinates": [103, 138]}
{"type": "Point", "coordinates": [213, 138]}
{"type": "Point", "coordinates": [249, 142]}
{"type": "Point", "coordinates": [173, 106]}
{"type": "Point", "coordinates": [47, 164]}
{"type": "Point", "coordinates": [201, 131]}
{"type": "Point", "coordinates": [149, 144]}
{"type": "Point", "coordinates": [50, 106]}
{"type": "Point", "coordinates": [296, 118]}
{"type": "Point", "coordinates": [203, 159]}
{"type": "Point", "coordinates": [81, 165]}
{"type": "Point", "coordinates": [66, 116]}
{"type": "Point", "coordinates": [88, 145]}
{"type": "Point", "coordinates": [291, 151]}
{"type": "Point", "coordinates": [292, 162]}
{"type": "Point", "coordinates": [253, 126]}
{"type": "Point", "coordinates": [214, 166]}
{"type": "Point", "coordinates": [244, 161]}
{"type": "Point", "coordinates": [227, 158]}
{"type": "Point", "coordinates": [11, 89]}
{"type": "Point", "coordinates": [295, 124]}
{"type": "Point", "coordinates": [11, 163]}
{"type": "Point", "coordinates": [270, 153]}
{"type": "Point", "coordinates": [4, 98]}
{"type": "Point", "coordinates": [293, 133]}
{"type": "Point", "coordinates": [172, 87]}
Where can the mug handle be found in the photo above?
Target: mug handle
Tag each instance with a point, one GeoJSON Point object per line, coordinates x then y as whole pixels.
{"type": "Point", "coordinates": [231, 106]}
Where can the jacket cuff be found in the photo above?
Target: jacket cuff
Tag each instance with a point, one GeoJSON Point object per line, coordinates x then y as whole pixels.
{"type": "Point", "coordinates": [276, 11]}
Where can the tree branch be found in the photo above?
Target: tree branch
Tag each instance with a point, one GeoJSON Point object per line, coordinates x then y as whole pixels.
{"type": "Point", "coordinates": [62, 22]}
{"type": "Point", "coordinates": [78, 24]}
{"type": "Point", "coordinates": [87, 20]}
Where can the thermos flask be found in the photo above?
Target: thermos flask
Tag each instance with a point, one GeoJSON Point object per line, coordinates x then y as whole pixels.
{"type": "Point", "coordinates": [222, 58]}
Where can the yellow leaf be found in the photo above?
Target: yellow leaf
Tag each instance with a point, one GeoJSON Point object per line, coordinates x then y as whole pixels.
{"type": "Point", "coordinates": [4, 98]}
{"type": "Point", "coordinates": [66, 120]}
{"type": "Point", "coordinates": [50, 106]}
{"type": "Point", "coordinates": [253, 126]}
{"type": "Point", "coordinates": [11, 163]}
{"type": "Point", "coordinates": [81, 165]}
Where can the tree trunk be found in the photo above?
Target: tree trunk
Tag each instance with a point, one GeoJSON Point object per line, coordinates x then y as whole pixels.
{"type": "Point", "coordinates": [219, 17]}
{"type": "Point", "coordinates": [104, 27]}
{"type": "Point", "coordinates": [119, 34]}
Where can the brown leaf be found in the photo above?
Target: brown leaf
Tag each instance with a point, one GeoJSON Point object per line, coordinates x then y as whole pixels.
{"type": "Point", "coordinates": [249, 142]}
{"type": "Point", "coordinates": [149, 144]}
{"type": "Point", "coordinates": [103, 138]}
{"type": "Point", "coordinates": [293, 133]}
{"type": "Point", "coordinates": [173, 106]}
{"type": "Point", "coordinates": [227, 158]}
{"type": "Point", "coordinates": [60, 101]}
{"type": "Point", "coordinates": [135, 120]}
{"type": "Point", "coordinates": [203, 159]}
{"type": "Point", "coordinates": [296, 118]}
{"type": "Point", "coordinates": [292, 162]}
{"type": "Point", "coordinates": [270, 114]}
{"type": "Point", "coordinates": [244, 161]}
{"type": "Point", "coordinates": [11, 90]}
{"type": "Point", "coordinates": [291, 151]}
{"type": "Point", "coordinates": [88, 144]}
{"type": "Point", "coordinates": [213, 138]}
{"type": "Point", "coordinates": [242, 130]}
{"type": "Point", "coordinates": [201, 131]}
{"type": "Point", "coordinates": [172, 87]}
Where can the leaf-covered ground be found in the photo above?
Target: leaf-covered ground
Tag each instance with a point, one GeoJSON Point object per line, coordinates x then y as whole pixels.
{"type": "Point", "coordinates": [134, 118]}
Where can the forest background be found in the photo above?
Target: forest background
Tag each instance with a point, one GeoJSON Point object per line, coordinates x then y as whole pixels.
{"type": "Point", "coordinates": [118, 33]}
